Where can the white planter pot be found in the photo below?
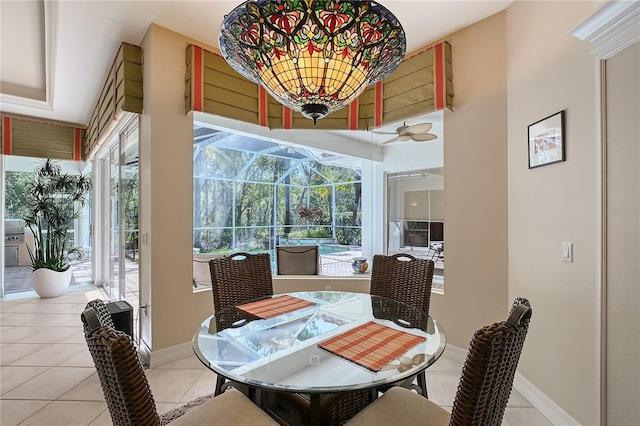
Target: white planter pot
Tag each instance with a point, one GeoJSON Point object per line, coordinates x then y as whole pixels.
{"type": "Point", "coordinates": [48, 283]}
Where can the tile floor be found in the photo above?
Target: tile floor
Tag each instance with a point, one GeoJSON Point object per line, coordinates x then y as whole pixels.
{"type": "Point", "coordinates": [18, 278]}
{"type": "Point", "coordinates": [47, 375]}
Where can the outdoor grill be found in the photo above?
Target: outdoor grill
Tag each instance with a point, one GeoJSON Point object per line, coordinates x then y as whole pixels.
{"type": "Point", "coordinates": [13, 239]}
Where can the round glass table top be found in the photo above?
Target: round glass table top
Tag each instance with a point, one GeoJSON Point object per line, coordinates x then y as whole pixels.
{"type": "Point", "coordinates": [282, 352]}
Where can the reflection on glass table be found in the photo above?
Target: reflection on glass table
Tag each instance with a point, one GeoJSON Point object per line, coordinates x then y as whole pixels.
{"type": "Point", "coordinates": [278, 355]}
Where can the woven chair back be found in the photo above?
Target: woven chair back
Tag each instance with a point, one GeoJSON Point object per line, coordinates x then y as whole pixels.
{"type": "Point", "coordinates": [488, 372]}
{"type": "Point", "coordinates": [102, 312]}
{"type": "Point", "coordinates": [240, 277]}
{"type": "Point", "coordinates": [122, 378]}
{"type": "Point", "coordinates": [404, 278]}
{"type": "Point", "coordinates": [297, 260]}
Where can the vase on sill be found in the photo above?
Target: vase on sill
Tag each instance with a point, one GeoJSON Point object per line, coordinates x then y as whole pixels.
{"type": "Point", "coordinates": [359, 265]}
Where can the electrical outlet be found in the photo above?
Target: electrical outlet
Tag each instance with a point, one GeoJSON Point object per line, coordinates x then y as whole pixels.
{"type": "Point", "coordinates": [328, 288]}
{"type": "Point", "coordinates": [314, 359]}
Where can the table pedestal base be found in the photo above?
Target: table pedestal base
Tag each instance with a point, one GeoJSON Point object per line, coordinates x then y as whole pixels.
{"type": "Point", "coordinates": [293, 409]}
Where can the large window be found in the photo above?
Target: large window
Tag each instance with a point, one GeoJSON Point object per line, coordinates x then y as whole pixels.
{"type": "Point", "coordinates": [415, 216]}
{"type": "Point", "coordinates": [251, 195]}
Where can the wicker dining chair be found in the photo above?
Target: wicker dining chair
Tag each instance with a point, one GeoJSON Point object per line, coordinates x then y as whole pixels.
{"type": "Point", "coordinates": [297, 260]}
{"type": "Point", "coordinates": [102, 312]}
{"type": "Point", "coordinates": [240, 277]}
{"type": "Point", "coordinates": [407, 279]}
{"type": "Point", "coordinates": [235, 279]}
{"type": "Point", "coordinates": [485, 384]}
{"type": "Point", "coordinates": [129, 398]}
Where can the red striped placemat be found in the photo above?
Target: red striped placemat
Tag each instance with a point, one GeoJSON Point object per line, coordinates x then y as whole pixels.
{"type": "Point", "coordinates": [371, 345]}
{"type": "Point", "coordinates": [275, 306]}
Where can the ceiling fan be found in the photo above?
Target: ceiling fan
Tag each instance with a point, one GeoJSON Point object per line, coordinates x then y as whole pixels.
{"type": "Point", "coordinates": [415, 132]}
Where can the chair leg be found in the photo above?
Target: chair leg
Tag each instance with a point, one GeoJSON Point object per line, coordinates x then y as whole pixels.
{"type": "Point", "coordinates": [422, 383]}
{"type": "Point", "coordinates": [219, 384]}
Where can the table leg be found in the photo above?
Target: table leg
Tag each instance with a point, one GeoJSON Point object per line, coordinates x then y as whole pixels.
{"type": "Point", "coordinates": [314, 409]}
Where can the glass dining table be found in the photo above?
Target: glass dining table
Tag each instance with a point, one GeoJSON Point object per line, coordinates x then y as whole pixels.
{"type": "Point", "coordinates": [311, 358]}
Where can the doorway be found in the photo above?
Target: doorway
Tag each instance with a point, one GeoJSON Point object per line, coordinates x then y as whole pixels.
{"type": "Point", "coordinates": [116, 180]}
{"type": "Point", "coordinates": [16, 175]}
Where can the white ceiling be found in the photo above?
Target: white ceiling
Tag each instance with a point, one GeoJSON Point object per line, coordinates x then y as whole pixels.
{"type": "Point", "coordinates": [55, 54]}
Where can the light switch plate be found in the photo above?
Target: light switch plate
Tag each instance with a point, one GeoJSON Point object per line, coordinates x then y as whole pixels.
{"type": "Point", "coordinates": [567, 252]}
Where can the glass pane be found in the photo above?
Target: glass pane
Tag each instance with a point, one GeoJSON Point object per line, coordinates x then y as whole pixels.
{"type": "Point", "coordinates": [214, 240]}
{"type": "Point", "coordinates": [254, 204]}
{"type": "Point", "coordinates": [214, 162]}
{"type": "Point", "coordinates": [263, 169]}
{"type": "Point", "coordinates": [254, 239]}
{"type": "Point", "coordinates": [349, 204]}
{"type": "Point", "coordinates": [114, 243]}
{"type": "Point", "coordinates": [213, 203]}
{"type": "Point", "coordinates": [415, 212]}
{"type": "Point", "coordinates": [251, 194]}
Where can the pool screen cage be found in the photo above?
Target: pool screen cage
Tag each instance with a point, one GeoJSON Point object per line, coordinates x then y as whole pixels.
{"type": "Point", "coordinates": [251, 194]}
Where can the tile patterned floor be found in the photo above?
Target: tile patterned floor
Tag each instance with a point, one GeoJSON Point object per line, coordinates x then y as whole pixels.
{"type": "Point", "coordinates": [47, 375]}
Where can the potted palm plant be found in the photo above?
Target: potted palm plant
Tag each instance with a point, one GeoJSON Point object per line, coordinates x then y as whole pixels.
{"type": "Point", "coordinates": [54, 201]}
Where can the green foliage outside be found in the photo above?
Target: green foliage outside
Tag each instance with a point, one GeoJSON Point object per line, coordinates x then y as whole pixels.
{"type": "Point", "coordinates": [53, 201]}
{"type": "Point", "coordinates": [17, 189]}
{"type": "Point", "coordinates": [224, 178]}
{"type": "Point", "coordinates": [130, 208]}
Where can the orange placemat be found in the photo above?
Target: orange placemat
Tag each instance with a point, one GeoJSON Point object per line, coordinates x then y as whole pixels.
{"type": "Point", "coordinates": [275, 306]}
{"type": "Point", "coordinates": [371, 345]}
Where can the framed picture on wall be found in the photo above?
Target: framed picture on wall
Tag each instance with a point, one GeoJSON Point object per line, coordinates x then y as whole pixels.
{"type": "Point", "coordinates": [546, 141]}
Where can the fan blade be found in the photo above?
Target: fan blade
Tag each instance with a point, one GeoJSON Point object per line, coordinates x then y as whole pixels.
{"type": "Point", "coordinates": [383, 133]}
{"type": "Point", "coordinates": [419, 128]}
{"type": "Point", "coordinates": [424, 137]}
{"type": "Point", "coordinates": [396, 139]}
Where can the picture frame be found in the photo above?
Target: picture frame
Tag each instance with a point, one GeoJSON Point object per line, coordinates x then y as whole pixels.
{"type": "Point", "coordinates": [547, 141]}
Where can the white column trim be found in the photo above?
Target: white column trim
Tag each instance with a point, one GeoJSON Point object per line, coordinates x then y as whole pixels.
{"type": "Point", "coordinates": [612, 28]}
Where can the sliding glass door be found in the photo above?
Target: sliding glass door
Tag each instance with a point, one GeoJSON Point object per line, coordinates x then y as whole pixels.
{"type": "Point", "coordinates": [116, 216]}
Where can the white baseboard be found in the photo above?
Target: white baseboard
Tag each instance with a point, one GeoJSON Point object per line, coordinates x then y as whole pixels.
{"type": "Point", "coordinates": [170, 354]}
{"type": "Point", "coordinates": [455, 354]}
{"type": "Point", "coordinates": [541, 402]}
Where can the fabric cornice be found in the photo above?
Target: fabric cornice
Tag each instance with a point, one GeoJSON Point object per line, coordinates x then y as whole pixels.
{"type": "Point", "coordinates": [31, 137]}
{"type": "Point", "coordinates": [423, 83]}
{"type": "Point", "coordinates": [122, 91]}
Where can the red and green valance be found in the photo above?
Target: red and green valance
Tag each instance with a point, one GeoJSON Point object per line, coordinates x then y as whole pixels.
{"type": "Point", "coordinates": [122, 91]}
{"type": "Point", "coordinates": [29, 137]}
{"type": "Point", "coordinates": [423, 83]}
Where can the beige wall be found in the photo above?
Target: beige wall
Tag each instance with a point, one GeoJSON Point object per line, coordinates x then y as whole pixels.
{"type": "Point", "coordinates": [475, 184]}
{"type": "Point", "coordinates": [166, 182]}
{"type": "Point", "coordinates": [550, 71]}
{"type": "Point", "coordinates": [282, 284]}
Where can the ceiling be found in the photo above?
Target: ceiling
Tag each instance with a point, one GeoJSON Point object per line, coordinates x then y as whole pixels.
{"type": "Point", "coordinates": [55, 54]}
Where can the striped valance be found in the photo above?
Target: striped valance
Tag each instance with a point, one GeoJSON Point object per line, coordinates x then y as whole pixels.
{"type": "Point", "coordinates": [122, 91]}
{"type": "Point", "coordinates": [423, 83]}
{"type": "Point", "coordinates": [29, 137]}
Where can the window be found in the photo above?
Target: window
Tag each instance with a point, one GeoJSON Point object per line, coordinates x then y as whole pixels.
{"type": "Point", "coordinates": [415, 216]}
{"type": "Point", "coordinates": [251, 195]}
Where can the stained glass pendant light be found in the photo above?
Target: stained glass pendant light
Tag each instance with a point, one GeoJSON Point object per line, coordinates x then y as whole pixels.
{"type": "Point", "coordinates": [313, 56]}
